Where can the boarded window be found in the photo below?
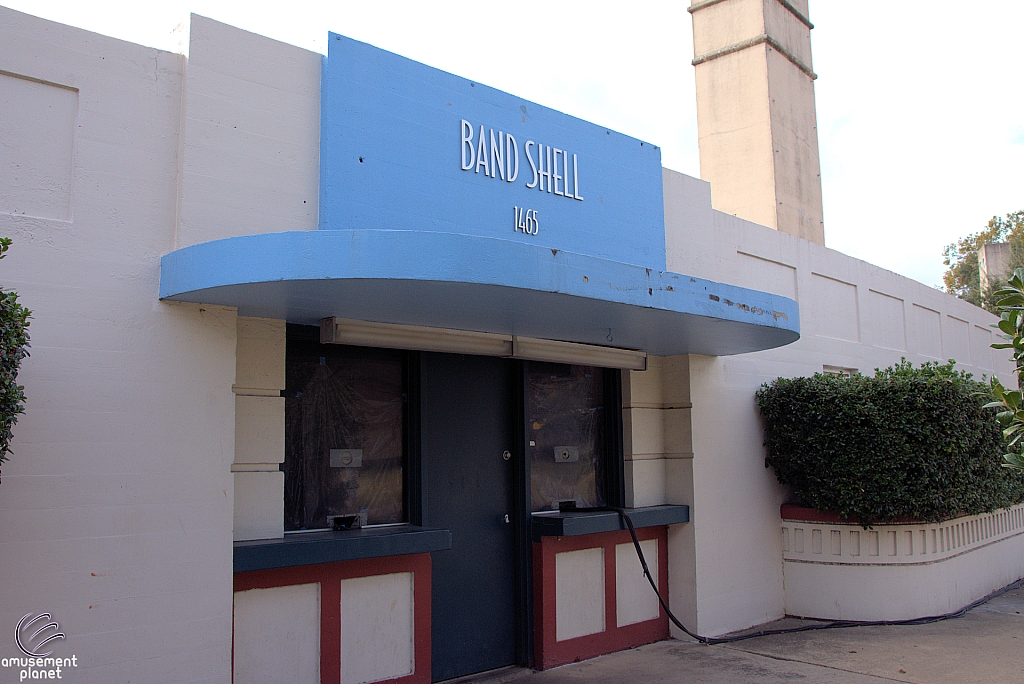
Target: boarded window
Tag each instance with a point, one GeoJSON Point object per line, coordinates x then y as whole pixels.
{"type": "Point", "coordinates": [565, 424]}
{"type": "Point", "coordinates": [344, 440]}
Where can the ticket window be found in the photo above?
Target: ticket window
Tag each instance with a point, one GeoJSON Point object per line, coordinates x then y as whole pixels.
{"type": "Point", "coordinates": [571, 438]}
{"type": "Point", "coordinates": [345, 445]}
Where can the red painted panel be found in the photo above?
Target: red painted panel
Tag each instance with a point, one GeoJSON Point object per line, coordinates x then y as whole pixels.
{"type": "Point", "coordinates": [804, 514]}
{"type": "Point", "coordinates": [330, 575]}
{"type": "Point", "coordinates": [547, 651]}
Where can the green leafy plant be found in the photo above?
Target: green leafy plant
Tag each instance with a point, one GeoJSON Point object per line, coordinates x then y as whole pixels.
{"type": "Point", "coordinates": [1009, 301]}
{"type": "Point", "coordinates": [908, 443]}
{"type": "Point", "coordinates": [14, 343]}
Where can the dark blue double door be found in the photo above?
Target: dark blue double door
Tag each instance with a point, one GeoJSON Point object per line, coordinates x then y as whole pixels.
{"type": "Point", "coordinates": [469, 422]}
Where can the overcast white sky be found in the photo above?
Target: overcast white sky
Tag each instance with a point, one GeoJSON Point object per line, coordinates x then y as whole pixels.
{"type": "Point", "coordinates": [920, 104]}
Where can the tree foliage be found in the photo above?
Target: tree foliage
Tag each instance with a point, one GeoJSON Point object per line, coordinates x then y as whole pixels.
{"type": "Point", "coordinates": [908, 443]}
{"type": "Point", "coordinates": [961, 259]}
{"type": "Point", "coordinates": [14, 342]}
{"type": "Point", "coordinates": [1009, 301]}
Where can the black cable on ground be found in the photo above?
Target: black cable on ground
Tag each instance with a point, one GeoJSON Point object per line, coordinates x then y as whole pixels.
{"type": "Point", "coordinates": [837, 624]}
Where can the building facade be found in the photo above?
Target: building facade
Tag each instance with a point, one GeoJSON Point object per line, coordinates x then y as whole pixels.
{"type": "Point", "coordinates": [326, 350]}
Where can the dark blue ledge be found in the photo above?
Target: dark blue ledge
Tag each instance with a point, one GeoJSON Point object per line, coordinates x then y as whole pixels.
{"type": "Point", "coordinates": [576, 523]}
{"type": "Point", "coordinates": [310, 548]}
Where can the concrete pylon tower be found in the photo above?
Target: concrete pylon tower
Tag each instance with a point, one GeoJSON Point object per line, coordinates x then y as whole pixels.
{"type": "Point", "coordinates": [756, 122]}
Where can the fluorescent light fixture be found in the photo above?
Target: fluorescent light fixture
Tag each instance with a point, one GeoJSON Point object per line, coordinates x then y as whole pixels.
{"type": "Point", "coordinates": [531, 349]}
{"type": "Point", "coordinates": [394, 336]}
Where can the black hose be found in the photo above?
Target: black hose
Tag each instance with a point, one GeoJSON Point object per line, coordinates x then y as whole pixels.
{"type": "Point", "coordinates": [836, 624]}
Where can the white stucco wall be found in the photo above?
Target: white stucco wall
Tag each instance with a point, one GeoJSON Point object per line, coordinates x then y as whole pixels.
{"type": "Point", "coordinates": [252, 135]}
{"type": "Point", "coordinates": [116, 505]}
{"type": "Point", "coordinates": [853, 315]}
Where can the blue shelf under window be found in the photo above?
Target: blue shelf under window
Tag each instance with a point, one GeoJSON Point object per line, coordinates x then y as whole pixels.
{"type": "Point", "coordinates": [576, 523]}
{"type": "Point", "coordinates": [310, 548]}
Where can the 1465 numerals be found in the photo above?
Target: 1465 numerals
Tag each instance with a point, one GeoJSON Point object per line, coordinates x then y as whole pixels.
{"type": "Point", "coordinates": [526, 221]}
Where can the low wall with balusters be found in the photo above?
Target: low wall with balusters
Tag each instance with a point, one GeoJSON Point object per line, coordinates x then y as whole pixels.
{"type": "Point", "coordinates": [839, 570]}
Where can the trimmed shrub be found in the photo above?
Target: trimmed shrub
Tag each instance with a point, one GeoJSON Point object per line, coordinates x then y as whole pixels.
{"type": "Point", "coordinates": [908, 443]}
{"type": "Point", "coordinates": [13, 348]}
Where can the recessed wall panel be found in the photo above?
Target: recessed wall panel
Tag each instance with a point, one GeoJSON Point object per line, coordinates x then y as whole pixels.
{"type": "Point", "coordinates": [885, 321]}
{"type": "Point", "coordinates": [766, 275]}
{"type": "Point", "coordinates": [37, 133]}
{"type": "Point", "coordinates": [981, 351]}
{"type": "Point", "coordinates": [834, 308]}
{"type": "Point", "coordinates": [925, 331]}
{"type": "Point", "coordinates": [955, 336]}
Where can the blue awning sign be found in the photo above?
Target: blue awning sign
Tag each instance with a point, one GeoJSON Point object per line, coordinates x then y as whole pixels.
{"type": "Point", "coordinates": [421, 173]}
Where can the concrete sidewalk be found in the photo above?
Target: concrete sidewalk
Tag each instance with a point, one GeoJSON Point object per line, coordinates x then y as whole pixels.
{"type": "Point", "coordinates": [986, 646]}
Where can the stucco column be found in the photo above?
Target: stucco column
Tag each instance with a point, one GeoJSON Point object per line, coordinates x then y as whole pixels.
{"type": "Point", "coordinates": [756, 120]}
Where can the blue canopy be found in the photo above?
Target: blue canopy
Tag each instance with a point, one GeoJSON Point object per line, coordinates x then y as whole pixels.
{"type": "Point", "coordinates": [484, 284]}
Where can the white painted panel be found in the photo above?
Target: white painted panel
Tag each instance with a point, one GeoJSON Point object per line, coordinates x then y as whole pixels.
{"type": "Point", "coordinates": [259, 354]}
{"type": "Point", "coordinates": [645, 482]}
{"type": "Point", "coordinates": [645, 434]}
{"type": "Point", "coordinates": [579, 593]}
{"type": "Point", "coordinates": [277, 635]}
{"type": "Point", "coordinates": [926, 332]}
{"type": "Point", "coordinates": [885, 321]}
{"type": "Point", "coordinates": [834, 308]}
{"type": "Point", "coordinates": [955, 335]}
{"type": "Point", "coordinates": [676, 380]}
{"type": "Point", "coordinates": [981, 352]}
{"type": "Point", "coordinates": [37, 128]}
{"type": "Point", "coordinates": [259, 505]}
{"type": "Point", "coordinates": [377, 636]}
{"type": "Point", "coordinates": [259, 429]}
{"type": "Point", "coordinates": [679, 481]}
{"type": "Point", "coordinates": [643, 388]}
{"type": "Point", "coordinates": [678, 434]}
{"type": "Point", "coordinates": [635, 600]}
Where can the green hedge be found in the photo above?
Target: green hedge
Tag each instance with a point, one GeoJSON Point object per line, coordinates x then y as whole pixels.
{"type": "Point", "coordinates": [908, 443]}
{"type": "Point", "coordinates": [13, 348]}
